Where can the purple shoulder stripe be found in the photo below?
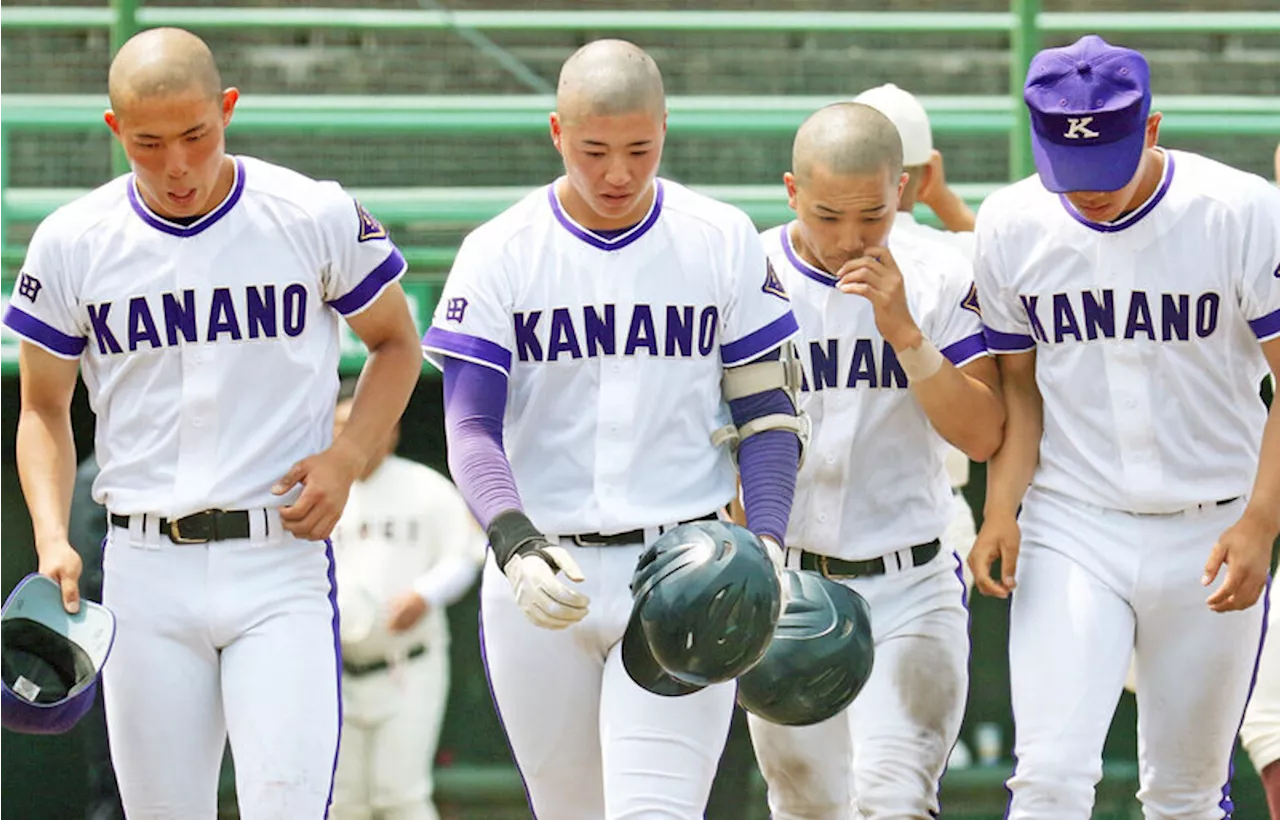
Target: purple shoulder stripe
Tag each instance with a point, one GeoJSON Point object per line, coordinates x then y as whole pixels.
{"type": "Point", "coordinates": [371, 285]}
{"type": "Point", "coordinates": [761, 341]}
{"type": "Point", "coordinates": [999, 342]}
{"type": "Point", "coordinates": [468, 348]}
{"type": "Point", "coordinates": [1265, 327]}
{"type": "Point", "coordinates": [37, 332]}
{"type": "Point", "coordinates": [965, 350]}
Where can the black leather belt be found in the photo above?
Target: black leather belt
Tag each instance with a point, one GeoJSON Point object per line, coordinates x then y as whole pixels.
{"type": "Point", "coordinates": [835, 568]}
{"type": "Point", "coordinates": [595, 539]}
{"type": "Point", "coordinates": [356, 670]}
{"type": "Point", "coordinates": [201, 527]}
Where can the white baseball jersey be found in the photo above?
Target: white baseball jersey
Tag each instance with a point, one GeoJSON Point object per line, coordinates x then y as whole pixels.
{"type": "Point", "coordinates": [210, 350]}
{"type": "Point", "coordinates": [1145, 330]}
{"type": "Point", "coordinates": [614, 348]}
{"type": "Point", "coordinates": [406, 527]}
{"type": "Point", "coordinates": [875, 479]}
{"type": "Point", "coordinates": [962, 241]}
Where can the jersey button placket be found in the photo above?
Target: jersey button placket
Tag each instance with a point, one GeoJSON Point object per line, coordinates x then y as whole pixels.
{"type": "Point", "coordinates": [197, 431]}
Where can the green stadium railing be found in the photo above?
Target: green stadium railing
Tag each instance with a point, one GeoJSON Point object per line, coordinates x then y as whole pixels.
{"type": "Point", "coordinates": [694, 115]}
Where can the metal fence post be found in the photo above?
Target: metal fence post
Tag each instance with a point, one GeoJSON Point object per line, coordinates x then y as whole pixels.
{"type": "Point", "coordinates": [1024, 43]}
{"type": "Point", "coordinates": [124, 24]}
{"type": "Point", "coordinates": [4, 184]}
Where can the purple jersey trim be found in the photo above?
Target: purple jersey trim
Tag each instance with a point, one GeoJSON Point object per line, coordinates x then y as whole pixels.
{"type": "Point", "coordinates": [184, 231]}
{"type": "Point", "coordinates": [369, 288]}
{"type": "Point", "coordinates": [765, 339]}
{"type": "Point", "coordinates": [1001, 342]}
{"type": "Point", "coordinates": [1133, 218]}
{"type": "Point", "coordinates": [1227, 804]}
{"type": "Point", "coordinates": [468, 348]}
{"type": "Point", "coordinates": [596, 240]}
{"type": "Point", "coordinates": [965, 350]}
{"type": "Point", "coordinates": [816, 274]}
{"type": "Point", "coordinates": [337, 663]}
{"type": "Point", "coordinates": [1265, 327]}
{"type": "Point", "coordinates": [37, 332]}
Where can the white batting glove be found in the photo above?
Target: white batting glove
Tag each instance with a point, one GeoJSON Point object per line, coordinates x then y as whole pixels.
{"type": "Point", "coordinates": [776, 553]}
{"type": "Point", "coordinates": [545, 599]}
{"type": "Point", "coordinates": [779, 558]}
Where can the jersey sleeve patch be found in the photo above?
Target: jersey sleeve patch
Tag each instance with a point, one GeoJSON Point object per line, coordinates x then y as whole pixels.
{"type": "Point", "coordinates": [370, 228]}
{"type": "Point", "coordinates": [772, 284]}
{"type": "Point", "coordinates": [456, 309]}
{"type": "Point", "coordinates": [29, 287]}
{"type": "Point", "coordinates": [970, 301]}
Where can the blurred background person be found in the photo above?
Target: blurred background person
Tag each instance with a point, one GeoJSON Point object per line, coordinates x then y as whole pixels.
{"type": "Point", "coordinates": [405, 548]}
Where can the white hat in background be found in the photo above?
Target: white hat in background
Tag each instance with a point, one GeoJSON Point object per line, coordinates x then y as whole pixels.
{"type": "Point", "coordinates": [905, 112]}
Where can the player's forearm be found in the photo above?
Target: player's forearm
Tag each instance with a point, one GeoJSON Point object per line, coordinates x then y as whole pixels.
{"type": "Point", "coordinates": [46, 456]}
{"type": "Point", "coordinates": [952, 211]}
{"type": "Point", "coordinates": [386, 383]}
{"type": "Point", "coordinates": [1012, 467]}
{"type": "Point", "coordinates": [963, 410]}
{"type": "Point", "coordinates": [475, 401]}
{"type": "Point", "coordinates": [1264, 500]}
{"type": "Point", "coordinates": [767, 463]}
{"type": "Point", "coordinates": [447, 581]}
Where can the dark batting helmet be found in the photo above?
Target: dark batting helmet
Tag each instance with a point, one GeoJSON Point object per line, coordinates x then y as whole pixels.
{"type": "Point", "coordinates": [706, 598]}
{"type": "Point", "coordinates": [51, 658]}
{"type": "Point", "coordinates": [820, 656]}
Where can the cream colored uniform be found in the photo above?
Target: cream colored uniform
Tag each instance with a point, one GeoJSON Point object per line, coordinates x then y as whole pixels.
{"type": "Point", "coordinates": [874, 485]}
{"type": "Point", "coordinates": [405, 528]}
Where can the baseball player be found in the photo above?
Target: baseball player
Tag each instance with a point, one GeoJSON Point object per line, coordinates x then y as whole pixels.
{"type": "Point", "coordinates": [895, 367]}
{"type": "Point", "coordinates": [926, 182]}
{"type": "Point", "coordinates": [199, 297]}
{"type": "Point", "coordinates": [1260, 732]}
{"type": "Point", "coordinates": [1133, 295]}
{"type": "Point", "coordinates": [584, 335]}
{"type": "Point", "coordinates": [405, 548]}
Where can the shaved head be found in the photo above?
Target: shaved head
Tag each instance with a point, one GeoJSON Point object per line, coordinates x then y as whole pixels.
{"type": "Point", "coordinates": [847, 139]}
{"type": "Point", "coordinates": [609, 78]}
{"type": "Point", "coordinates": [161, 62]}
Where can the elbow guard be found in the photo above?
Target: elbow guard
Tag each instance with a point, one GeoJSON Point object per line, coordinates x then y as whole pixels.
{"type": "Point", "coordinates": [784, 374]}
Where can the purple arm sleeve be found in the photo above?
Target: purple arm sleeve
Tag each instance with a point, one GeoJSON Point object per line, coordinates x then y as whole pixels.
{"type": "Point", "coordinates": [475, 400]}
{"type": "Point", "coordinates": [768, 463]}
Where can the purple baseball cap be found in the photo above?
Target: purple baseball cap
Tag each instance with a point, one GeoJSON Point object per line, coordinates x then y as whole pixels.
{"type": "Point", "coordinates": [52, 659]}
{"type": "Point", "coordinates": [1089, 103]}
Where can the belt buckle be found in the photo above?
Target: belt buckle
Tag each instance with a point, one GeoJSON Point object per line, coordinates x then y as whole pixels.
{"type": "Point", "coordinates": [175, 532]}
{"type": "Point", "coordinates": [824, 567]}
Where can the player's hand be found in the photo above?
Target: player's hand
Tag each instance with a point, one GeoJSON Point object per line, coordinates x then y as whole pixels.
{"type": "Point", "coordinates": [326, 479]}
{"type": "Point", "coordinates": [405, 610]}
{"type": "Point", "coordinates": [1000, 538]}
{"type": "Point", "coordinates": [540, 593]}
{"type": "Point", "coordinates": [62, 563]}
{"type": "Point", "coordinates": [1246, 550]}
{"type": "Point", "coordinates": [875, 276]}
{"type": "Point", "coordinates": [934, 187]}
